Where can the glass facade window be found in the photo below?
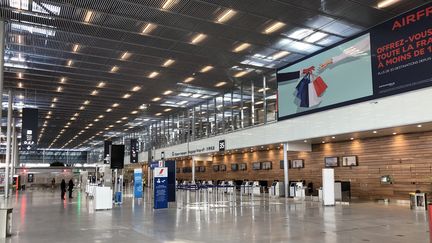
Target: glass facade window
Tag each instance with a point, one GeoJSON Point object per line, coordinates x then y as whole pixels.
{"type": "Point", "coordinates": [248, 103]}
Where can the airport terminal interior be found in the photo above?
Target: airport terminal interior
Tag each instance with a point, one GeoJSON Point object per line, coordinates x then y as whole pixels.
{"type": "Point", "coordinates": [180, 121]}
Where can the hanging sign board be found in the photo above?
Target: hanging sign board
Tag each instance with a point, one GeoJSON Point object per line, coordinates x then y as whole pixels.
{"type": "Point", "coordinates": [107, 152]}
{"type": "Point", "coordinates": [29, 131]}
{"type": "Point", "coordinates": [134, 151]}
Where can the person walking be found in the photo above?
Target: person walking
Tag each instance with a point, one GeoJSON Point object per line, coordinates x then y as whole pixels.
{"type": "Point", "coordinates": [63, 189]}
{"type": "Point", "coordinates": [70, 188]}
{"type": "Point", "coordinates": [53, 184]}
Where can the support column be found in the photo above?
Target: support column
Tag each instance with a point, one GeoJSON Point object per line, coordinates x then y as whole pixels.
{"type": "Point", "coordinates": [2, 46]}
{"type": "Point", "coordinates": [241, 106]}
{"type": "Point", "coordinates": [14, 148]}
{"type": "Point", "coordinates": [8, 144]}
{"type": "Point", "coordinates": [193, 170]}
{"type": "Point", "coordinates": [265, 98]}
{"type": "Point", "coordinates": [16, 160]}
{"type": "Point", "coordinates": [252, 104]}
{"type": "Point", "coordinates": [286, 178]}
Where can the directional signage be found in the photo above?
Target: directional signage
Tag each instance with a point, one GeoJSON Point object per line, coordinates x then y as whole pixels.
{"type": "Point", "coordinates": [160, 187]}
{"type": "Point", "coordinates": [134, 151]}
{"type": "Point", "coordinates": [138, 185]}
{"type": "Point", "coordinates": [154, 164]}
{"type": "Point", "coordinates": [221, 145]}
{"type": "Point", "coordinates": [29, 132]}
{"type": "Point", "coordinates": [107, 152]}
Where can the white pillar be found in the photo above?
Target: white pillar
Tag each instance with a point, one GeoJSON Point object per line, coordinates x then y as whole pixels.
{"type": "Point", "coordinates": [265, 98]}
{"type": "Point", "coordinates": [252, 103]}
{"type": "Point", "coordinates": [2, 45]}
{"type": "Point", "coordinates": [193, 169]}
{"type": "Point", "coordinates": [16, 155]}
{"type": "Point", "coordinates": [8, 144]}
{"type": "Point", "coordinates": [14, 148]}
{"type": "Point", "coordinates": [286, 178]}
{"type": "Point", "coordinates": [328, 184]}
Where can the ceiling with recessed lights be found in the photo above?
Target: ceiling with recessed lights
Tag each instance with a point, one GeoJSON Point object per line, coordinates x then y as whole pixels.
{"type": "Point", "coordinates": [92, 67]}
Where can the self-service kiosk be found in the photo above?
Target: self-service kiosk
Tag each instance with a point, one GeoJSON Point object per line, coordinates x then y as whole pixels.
{"type": "Point", "coordinates": [246, 188]}
{"type": "Point", "coordinates": [296, 189]}
{"type": "Point", "coordinates": [222, 185]}
{"type": "Point", "coordinates": [256, 188]}
{"type": "Point", "coordinates": [209, 184]}
{"type": "Point", "coordinates": [277, 189]}
{"type": "Point", "coordinates": [230, 187]}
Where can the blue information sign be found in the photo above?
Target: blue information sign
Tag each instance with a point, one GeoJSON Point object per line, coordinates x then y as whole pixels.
{"type": "Point", "coordinates": [154, 164]}
{"type": "Point", "coordinates": [160, 187]}
{"type": "Point", "coordinates": [138, 185]}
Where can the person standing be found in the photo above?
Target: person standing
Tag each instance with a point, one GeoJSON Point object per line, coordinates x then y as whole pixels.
{"type": "Point", "coordinates": [53, 184]}
{"type": "Point", "coordinates": [70, 188]}
{"type": "Point", "coordinates": [63, 189]}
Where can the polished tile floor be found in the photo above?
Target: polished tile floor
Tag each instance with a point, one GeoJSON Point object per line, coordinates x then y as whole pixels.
{"type": "Point", "coordinates": [41, 217]}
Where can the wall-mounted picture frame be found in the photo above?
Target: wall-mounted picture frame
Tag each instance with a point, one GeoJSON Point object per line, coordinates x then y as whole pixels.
{"type": "Point", "coordinates": [330, 162]}
{"type": "Point", "coordinates": [197, 168]}
{"type": "Point", "coordinates": [243, 166]}
{"type": "Point", "coordinates": [187, 169]}
{"type": "Point", "coordinates": [348, 161]}
{"type": "Point", "coordinates": [297, 163]}
{"type": "Point", "coordinates": [30, 178]}
{"type": "Point", "coordinates": [256, 166]}
{"type": "Point", "coordinates": [234, 167]}
{"type": "Point", "coordinates": [177, 170]}
{"type": "Point", "coordinates": [202, 169]}
{"type": "Point", "coordinates": [222, 167]}
{"type": "Point", "coordinates": [215, 168]}
{"type": "Point", "coordinates": [267, 165]}
{"type": "Point", "coordinates": [281, 164]}
{"type": "Point", "coordinates": [386, 179]}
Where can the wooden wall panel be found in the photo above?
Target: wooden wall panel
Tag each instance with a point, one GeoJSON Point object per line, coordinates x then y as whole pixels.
{"type": "Point", "coordinates": [407, 158]}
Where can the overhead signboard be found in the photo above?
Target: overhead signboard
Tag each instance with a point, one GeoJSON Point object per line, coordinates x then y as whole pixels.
{"type": "Point", "coordinates": [133, 151]}
{"type": "Point", "coordinates": [117, 156]}
{"type": "Point", "coordinates": [107, 151]}
{"type": "Point", "coordinates": [29, 131]}
{"type": "Point", "coordinates": [221, 145]}
{"type": "Point", "coordinates": [391, 58]}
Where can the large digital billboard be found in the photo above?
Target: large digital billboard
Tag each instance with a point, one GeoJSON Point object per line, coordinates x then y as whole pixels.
{"type": "Point", "coordinates": [391, 58]}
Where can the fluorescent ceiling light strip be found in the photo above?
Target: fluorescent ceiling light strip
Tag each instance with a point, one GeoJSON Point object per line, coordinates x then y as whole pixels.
{"type": "Point", "coordinates": [274, 27]}
{"type": "Point", "coordinates": [280, 54]}
{"type": "Point", "coordinates": [148, 28]}
{"type": "Point", "coordinates": [189, 79]}
{"type": "Point", "coordinates": [168, 4]}
{"type": "Point", "coordinates": [88, 16]}
{"type": "Point", "coordinates": [198, 38]}
{"type": "Point", "coordinates": [153, 74]}
{"type": "Point", "coordinates": [227, 15]}
{"type": "Point", "coordinates": [206, 69]}
{"type": "Point", "coordinates": [241, 74]}
{"type": "Point", "coordinates": [168, 62]}
{"type": "Point", "coordinates": [76, 48]}
{"type": "Point", "coordinates": [242, 47]}
{"type": "Point", "coordinates": [387, 3]}
{"type": "Point", "coordinates": [125, 55]}
{"type": "Point", "coordinates": [220, 84]}
{"type": "Point", "coordinates": [114, 69]}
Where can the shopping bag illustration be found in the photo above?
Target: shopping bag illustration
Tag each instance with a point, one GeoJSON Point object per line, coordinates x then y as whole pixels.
{"type": "Point", "coordinates": [319, 85]}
